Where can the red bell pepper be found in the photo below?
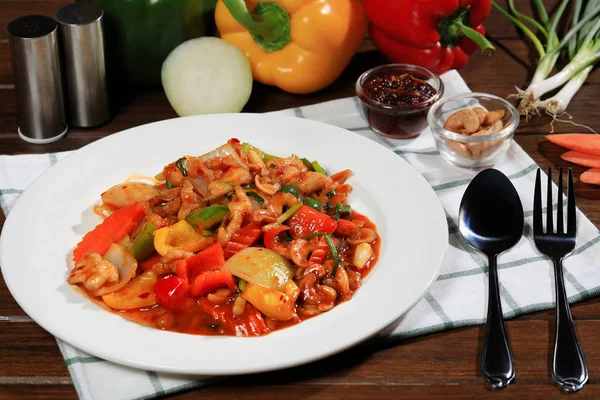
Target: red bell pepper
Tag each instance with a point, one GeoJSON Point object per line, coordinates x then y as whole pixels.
{"type": "Point", "coordinates": [243, 238]}
{"type": "Point", "coordinates": [307, 220]}
{"type": "Point", "coordinates": [250, 323]}
{"type": "Point", "coordinates": [438, 35]}
{"type": "Point", "coordinates": [210, 281]}
{"type": "Point", "coordinates": [112, 230]}
{"type": "Point", "coordinates": [345, 228]}
{"type": "Point", "coordinates": [209, 259]}
{"type": "Point", "coordinates": [271, 238]}
{"type": "Point", "coordinates": [170, 291]}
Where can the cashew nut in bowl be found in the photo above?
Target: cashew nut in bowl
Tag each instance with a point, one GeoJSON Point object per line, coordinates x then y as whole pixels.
{"type": "Point", "coordinates": [463, 121]}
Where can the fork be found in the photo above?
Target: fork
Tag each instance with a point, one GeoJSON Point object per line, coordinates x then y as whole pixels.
{"type": "Point", "coordinates": [569, 369]}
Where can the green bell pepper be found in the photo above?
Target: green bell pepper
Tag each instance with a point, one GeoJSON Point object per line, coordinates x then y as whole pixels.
{"type": "Point", "coordinates": [205, 218]}
{"type": "Point", "coordinates": [140, 34]}
{"type": "Point", "coordinates": [143, 245]}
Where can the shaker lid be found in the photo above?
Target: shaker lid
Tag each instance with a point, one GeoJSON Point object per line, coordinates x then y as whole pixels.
{"type": "Point", "coordinates": [78, 13]}
{"type": "Point", "coordinates": [31, 26]}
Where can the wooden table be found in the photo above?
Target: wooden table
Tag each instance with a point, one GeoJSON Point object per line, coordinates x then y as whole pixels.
{"type": "Point", "coordinates": [443, 365]}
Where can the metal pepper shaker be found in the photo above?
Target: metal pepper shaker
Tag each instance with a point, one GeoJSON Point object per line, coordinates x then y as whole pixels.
{"type": "Point", "coordinates": [38, 80]}
{"type": "Point", "coordinates": [84, 60]}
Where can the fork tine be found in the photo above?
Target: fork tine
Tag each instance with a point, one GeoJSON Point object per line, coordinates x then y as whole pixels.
{"type": "Point", "coordinates": [537, 205]}
{"type": "Point", "coordinates": [559, 211]}
{"type": "Point", "coordinates": [571, 221]}
{"type": "Point", "coordinates": [549, 225]}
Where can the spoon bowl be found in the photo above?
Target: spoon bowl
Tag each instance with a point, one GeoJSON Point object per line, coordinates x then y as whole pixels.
{"type": "Point", "coordinates": [491, 220]}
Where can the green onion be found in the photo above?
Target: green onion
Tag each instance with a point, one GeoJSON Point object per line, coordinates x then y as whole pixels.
{"type": "Point", "coordinates": [169, 184]}
{"type": "Point", "coordinates": [334, 252]}
{"type": "Point", "coordinates": [291, 211]}
{"type": "Point", "coordinates": [180, 164]}
{"type": "Point", "coordinates": [314, 203]}
{"type": "Point", "coordinates": [291, 189]}
{"type": "Point", "coordinates": [317, 167]}
{"type": "Point", "coordinates": [246, 147]}
{"type": "Point", "coordinates": [582, 40]}
{"type": "Point", "coordinates": [226, 183]}
{"type": "Point", "coordinates": [242, 284]}
{"type": "Point", "coordinates": [256, 197]}
{"type": "Point", "coordinates": [307, 163]}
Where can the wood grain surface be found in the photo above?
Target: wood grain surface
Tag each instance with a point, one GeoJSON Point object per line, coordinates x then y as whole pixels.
{"type": "Point", "coordinates": [438, 366]}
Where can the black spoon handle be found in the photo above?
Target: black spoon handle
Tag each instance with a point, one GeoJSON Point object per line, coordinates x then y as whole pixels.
{"type": "Point", "coordinates": [569, 369]}
{"type": "Point", "coordinates": [497, 365]}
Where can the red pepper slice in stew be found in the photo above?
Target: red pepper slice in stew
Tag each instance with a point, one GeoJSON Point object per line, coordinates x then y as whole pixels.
{"type": "Point", "coordinates": [170, 291]}
{"type": "Point", "coordinates": [345, 228]}
{"type": "Point", "coordinates": [208, 282]}
{"type": "Point", "coordinates": [271, 236]}
{"type": "Point", "coordinates": [209, 259]}
{"type": "Point", "coordinates": [307, 220]}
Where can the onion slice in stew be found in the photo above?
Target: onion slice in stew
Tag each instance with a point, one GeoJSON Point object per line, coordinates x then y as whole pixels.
{"type": "Point", "coordinates": [125, 263]}
{"type": "Point", "coordinates": [261, 266]}
{"type": "Point", "coordinates": [223, 151]}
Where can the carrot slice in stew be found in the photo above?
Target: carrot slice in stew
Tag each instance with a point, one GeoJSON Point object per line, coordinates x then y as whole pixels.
{"type": "Point", "coordinates": [586, 160]}
{"type": "Point", "coordinates": [582, 142]}
{"type": "Point", "coordinates": [591, 176]}
{"type": "Point", "coordinates": [318, 256]}
{"type": "Point", "coordinates": [112, 230]}
{"type": "Point", "coordinates": [243, 238]}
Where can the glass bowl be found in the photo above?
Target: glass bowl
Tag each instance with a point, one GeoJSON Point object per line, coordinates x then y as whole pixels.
{"type": "Point", "coordinates": [401, 121]}
{"type": "Point", "coordinates": [472, 151]}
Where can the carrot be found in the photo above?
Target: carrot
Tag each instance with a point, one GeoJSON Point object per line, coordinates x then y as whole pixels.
{"type": "Point", "coordinates": [581, 142]}
{"type": "Point", "coordinates": [112, 230]}
{"type": "Point", "coordinates": [586, 160]}
{"type": "Point", "coordinates": [243, 238]}
{"type": "Point", "coordinates": [591, 176]}
{"type": "Point", "coordinates": [322, 250]}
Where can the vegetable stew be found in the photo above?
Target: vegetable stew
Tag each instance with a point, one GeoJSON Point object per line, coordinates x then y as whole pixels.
{"type": "Point", "coordinates": [233, 242]}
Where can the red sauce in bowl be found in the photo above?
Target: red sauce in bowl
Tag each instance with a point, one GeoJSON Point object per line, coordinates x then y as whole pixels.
{"type": "Point", "coordinates": [396, 89]}
{"type": "Point", "coordinates": [396, 98]}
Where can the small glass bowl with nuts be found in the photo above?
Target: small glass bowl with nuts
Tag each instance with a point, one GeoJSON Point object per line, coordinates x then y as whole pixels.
{"type": "Point", "coordinates": [473, 130]}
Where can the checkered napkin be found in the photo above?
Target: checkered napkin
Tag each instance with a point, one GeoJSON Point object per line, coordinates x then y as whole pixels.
{"type": "Point", "coordinates": [457, 298]}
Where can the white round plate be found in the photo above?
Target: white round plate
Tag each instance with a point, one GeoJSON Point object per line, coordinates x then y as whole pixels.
{"type": "Point", "coordinates": [54, 213]}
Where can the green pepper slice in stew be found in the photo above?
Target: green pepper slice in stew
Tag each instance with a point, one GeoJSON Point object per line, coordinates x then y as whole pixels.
{"type": "Point", "coordinates": [143, 245]}
{"type": "Point", "coordinates": [291, 189]}
{"type": "Point", "coordinates": [207, 217]}
{"type": "Point", "coordinates": [314, 203]}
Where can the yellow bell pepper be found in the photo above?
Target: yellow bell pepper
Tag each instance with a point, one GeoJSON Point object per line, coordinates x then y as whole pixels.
{"type": "Point", "coordinates": [138, 293]}
{"type": "Point", "coordinates": [273, 303]}
{"type": "Point", "coordinates": [180, 236]}
{"type": "Point", "coordinates": [300, 46]}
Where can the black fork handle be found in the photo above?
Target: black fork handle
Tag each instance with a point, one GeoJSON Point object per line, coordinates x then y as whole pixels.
{"type": "Point", "coordinates": [497, 365]}
{"type": "Point", "coordinates": [569, 369]}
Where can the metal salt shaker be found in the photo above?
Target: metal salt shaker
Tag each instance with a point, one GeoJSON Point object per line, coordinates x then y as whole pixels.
{"type": "Point", "coordinates": [38, 81]}
{"type": "Point", "coordinates": [84, 60]}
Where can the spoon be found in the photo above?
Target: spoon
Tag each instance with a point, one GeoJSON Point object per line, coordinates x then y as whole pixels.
{"type": "Point", "coordinates": [491, 220]}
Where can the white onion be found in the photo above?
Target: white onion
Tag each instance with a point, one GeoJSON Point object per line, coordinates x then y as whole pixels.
{"type": "Point", "coordinates": [261, 266]}
{"type": "Point", "coordinates": [205, 76]}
